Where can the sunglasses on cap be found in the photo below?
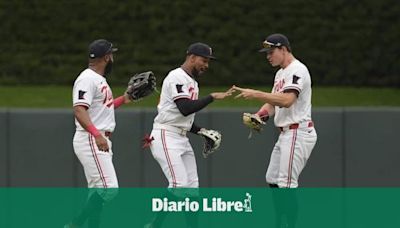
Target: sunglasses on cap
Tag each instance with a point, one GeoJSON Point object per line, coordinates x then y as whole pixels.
{"type": "Point", "coordinates": [267, 44]}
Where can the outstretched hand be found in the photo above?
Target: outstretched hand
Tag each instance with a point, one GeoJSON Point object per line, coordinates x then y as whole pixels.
{"type": "Point", "coordinates": [245, 93]}
{"type": "Point", "coordinates": [222, 95]}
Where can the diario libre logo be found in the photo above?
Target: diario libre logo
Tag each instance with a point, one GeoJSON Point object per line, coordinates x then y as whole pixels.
{"type": "Point", "coordinates": [206, 205]}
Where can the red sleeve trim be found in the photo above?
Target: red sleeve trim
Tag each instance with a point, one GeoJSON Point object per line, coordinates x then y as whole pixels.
{"type": "Point", "coordinates": [179, 97]}
{"type": "Point", "coordinates": [292, 87]}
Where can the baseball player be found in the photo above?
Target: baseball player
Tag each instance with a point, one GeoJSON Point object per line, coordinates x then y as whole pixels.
{"type": "Point", "coordinates": [176, 113]}
{"type": "Point", "coordinates": [94, 106]}
{"type": "Point", "coordinates": [290, 102]}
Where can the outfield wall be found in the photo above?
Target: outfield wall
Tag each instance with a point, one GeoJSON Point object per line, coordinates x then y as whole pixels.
{"type": "Point", "coordinates": [357, 147]}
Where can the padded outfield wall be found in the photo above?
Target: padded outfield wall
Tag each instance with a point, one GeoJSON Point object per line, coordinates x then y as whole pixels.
{"type": "Point", "coordinates": [357, 147]}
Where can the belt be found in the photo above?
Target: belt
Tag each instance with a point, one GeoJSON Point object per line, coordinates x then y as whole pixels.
{"type": "Point", "coordinates": [105, 133]}
{"type": "Point", "coordinates": [297, 125]}
{"type": "Point", "coordinates": [178, 130]}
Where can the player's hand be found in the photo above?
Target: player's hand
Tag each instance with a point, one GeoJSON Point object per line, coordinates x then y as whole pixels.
{"type": "Point", "coordinates": [101, 143]}
{"type": "Point", "coordinates": [222, 95]}
{"type": "Point", "coordinates": [246, 93]}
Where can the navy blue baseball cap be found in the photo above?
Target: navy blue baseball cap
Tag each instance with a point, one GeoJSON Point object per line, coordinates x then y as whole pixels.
{"type": "Point", "coordinates": [100, 48]}
{"type": "Point", "coordinates": [200, 49]}
{"type": "Point", "coordinates": [273, 41]}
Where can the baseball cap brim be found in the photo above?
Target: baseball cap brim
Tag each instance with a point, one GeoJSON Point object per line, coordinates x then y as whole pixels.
{"type": "Point", "coordinates": [269, 46]}
{"type": "Point", "coordinates": [209, 56]}
{"type": "Point", "coordinates": [265, 49]}
{"type": "Point", "coordinates": [113, 50]}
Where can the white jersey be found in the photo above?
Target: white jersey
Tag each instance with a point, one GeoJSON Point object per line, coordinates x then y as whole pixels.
{"type": "Point", "coordinates": [178, 84]}
{"type": "Point", "coordinates": [91, 90]}
{"type": "Point", "coordinates": [294, 76]}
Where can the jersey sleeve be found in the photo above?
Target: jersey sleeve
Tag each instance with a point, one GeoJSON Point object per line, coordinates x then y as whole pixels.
{"type": "Point", "coordinates": [179, 89]}
{"type": "Point", "coordinates": [296, 80]}
{"type": "Point", "coordinates": [83, 92]}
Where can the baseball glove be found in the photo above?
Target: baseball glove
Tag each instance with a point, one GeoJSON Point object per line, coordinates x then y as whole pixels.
{"type": "Point", "coordinates": [141, 85]}
{"type": "Point", "coordinates": [212, 141]}
{"type": "Point", "coordinates": [253, 121]}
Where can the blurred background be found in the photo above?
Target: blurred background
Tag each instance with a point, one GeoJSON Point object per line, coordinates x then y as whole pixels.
{"type": "Point", "coordinates": [343, 42]}
{"type": "Point", "coordinates": [350, 47]}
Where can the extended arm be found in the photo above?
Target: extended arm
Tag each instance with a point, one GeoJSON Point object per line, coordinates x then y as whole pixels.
{"type": "Point", "coordinates": [124, 99]}
{"type": "Point", "coordinates": [187, 106]}
{"type": "Point", "coordinates": [285, 99]}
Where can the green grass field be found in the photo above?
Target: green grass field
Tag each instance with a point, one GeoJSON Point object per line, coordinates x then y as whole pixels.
{"type": "Point", "coordinates": [60, 97]}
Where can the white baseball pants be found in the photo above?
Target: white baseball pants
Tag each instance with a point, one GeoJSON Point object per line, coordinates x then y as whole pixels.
{"type": "Point", "coordinates": [173, 152]}
{"type": "Point", "coordinates": [290, 155]}
{"type": "Point", "coordinates": [98, 167]}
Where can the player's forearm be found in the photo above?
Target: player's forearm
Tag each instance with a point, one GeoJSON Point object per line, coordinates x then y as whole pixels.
{"type": "Point", "coordinates": [266, 109]}
{"type": "Point", "coordinates": [187, 106]}
{"type": "Point", "coordinates": [119, 101]}
{"type": "Point", "coordinates": [275, 99]}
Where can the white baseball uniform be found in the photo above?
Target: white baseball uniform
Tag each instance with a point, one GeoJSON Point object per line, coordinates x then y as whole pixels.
{"type": "Point", "coordinates": [92, 91]}
{"type": "Point", "coordinates": [171, 148]}
{"type": "Point", "coordinates": [298, 136]}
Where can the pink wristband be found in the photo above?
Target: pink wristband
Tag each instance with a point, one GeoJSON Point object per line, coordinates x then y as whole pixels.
{"type": "Point", "coordinates": [262, 112]}
{"type": "Point", "coordinates": [119, 101]}
{"type": "Point", "coordinates": [93, 130]}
